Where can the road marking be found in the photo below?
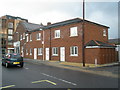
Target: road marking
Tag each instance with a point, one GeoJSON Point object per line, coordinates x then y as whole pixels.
{"type": "Point", "coordinates": [45, 81]}
{"type": "Point", "coordinates": [59, 79]}
{"type": "Point", "coordinates": [26, 68]}
{"type": "Point", "coordinates": [8, 86]}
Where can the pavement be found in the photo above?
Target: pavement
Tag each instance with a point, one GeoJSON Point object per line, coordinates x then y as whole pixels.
{"type": "Point", "coordinates": [109, 70]}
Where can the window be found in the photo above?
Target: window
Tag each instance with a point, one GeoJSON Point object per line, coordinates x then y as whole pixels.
{"type": "Point", "coordinates": [26, 52]}
{"type": "Point", "coordinates": [20, 37]}
{"type": "Point", "coordinates": [55, 51]}
{"type": "Point", "coordinates": [74, 51]}
{"type": "Point", "coordinates": [23, 35]}
{"type": "Point", "coordinates": [10, 31]}
{"type": "Point", "coordinates": [10, 25]}
{"type": "Point", "coordinates": [73, 31]}
{"type": "Point", "coordinates": [10, 43]}
{"type": "Point", "coordinates": [104, 32]}
{"type": "Point", "coordinates": [30, 37]}
{"type": "Point", "coordinates": [38, 36]}
{"type": "Point", "coordinates": [39, 51]}
{"type": "Point", "coordinates": [30, 51]}
{"type": "Point", "coordinates": [57, 33]}
{"type": "Point", "coordinates": [27, 38]}
{"type": "Point", "coordinates": [10, 38]}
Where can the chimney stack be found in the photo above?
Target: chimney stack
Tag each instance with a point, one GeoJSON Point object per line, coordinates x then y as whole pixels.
{"type": "Point", "coordinates": [49, 23]}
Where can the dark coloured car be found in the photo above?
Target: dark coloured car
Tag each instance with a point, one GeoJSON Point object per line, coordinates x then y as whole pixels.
{"type": "Point", "coordinates": [12, 59]}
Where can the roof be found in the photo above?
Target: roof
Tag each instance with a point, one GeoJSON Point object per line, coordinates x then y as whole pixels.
{"type": "Point", "coordinates": [13, 17]}
{"type": "Point", "coordinates": [115, 41]}
{"type": "Point", "coordinates": [99, 43]}
{"type": "Point", "coordinates": [30, 26]}
{"type": "Point", "coordinates": [71, 21]}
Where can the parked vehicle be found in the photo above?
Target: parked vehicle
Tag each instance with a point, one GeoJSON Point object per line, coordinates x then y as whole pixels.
{"type": "Point", "coordinates": [12, 59]}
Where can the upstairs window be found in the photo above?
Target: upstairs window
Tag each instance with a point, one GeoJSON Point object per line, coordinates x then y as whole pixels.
{"type": "Point", "coordinates": [10, 25]}
{"type": "Point", "coordinates": [40, 51]}
{"type": "Point", "coordinates": [73, 31]}
{"type": "Point", "coordinates": [23, 35]}
{"type": "Point", "coordinates": [38, 36]}
{"type": "Point", "coordinates": [20, 37]}
{"type": "Point", "coordinates": [104, 32]}
{"type": "Point", "coordinates": [55, 51]}
{"type": "Point", "coordinates": [27, 38]}
{"type": "Point", "coordinates": [10, 38]}
{"type": "Point", "coordinates": [10, 31]}
{"type": "Point", "coordinates": [30, 37]}
{"type": "Point", "coordinates": [57, 33]}
{"type": "Point", "coordinates": [74, 51]}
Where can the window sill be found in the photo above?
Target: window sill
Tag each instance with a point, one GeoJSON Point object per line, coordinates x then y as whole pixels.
{"type": "Point", "coordinates": [56, 37]}
{"type": "Point", "coordinates": [74, 55]}
{"type": "Point", "coordinates": [38, 39]}
{"type": "Point", "coordinates": [74, 36]}
{"type": "Point", "coordinates": [55, 55]}
{"type": "Point", "coordinates": [39, 54]}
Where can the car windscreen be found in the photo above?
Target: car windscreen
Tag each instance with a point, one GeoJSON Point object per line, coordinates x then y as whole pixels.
{"type": "Point", "coordinates": [15, 55]}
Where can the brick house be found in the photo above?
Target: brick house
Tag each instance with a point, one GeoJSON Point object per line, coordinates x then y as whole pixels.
{"type": "Point", "coordinates": [62, 41]}
{"type": "Point", "coordinates": [8, 26]}
{"type": "Point", "coordinates": [21, 37]}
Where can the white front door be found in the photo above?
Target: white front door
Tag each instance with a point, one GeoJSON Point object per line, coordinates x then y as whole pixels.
{"type": "Point", "coordinates": [35, 53]}
{"type": "Point", "coordinates": [62, 54]}
{"type": "Point", "coordinates": [47, 53]}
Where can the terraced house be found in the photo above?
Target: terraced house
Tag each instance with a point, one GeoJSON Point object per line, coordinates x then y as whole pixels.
{"type": "Point", "coordinates": [62, 41]}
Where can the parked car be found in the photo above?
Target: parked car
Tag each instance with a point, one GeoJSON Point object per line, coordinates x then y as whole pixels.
{"type": "Point", "coordinates": [12, 59]}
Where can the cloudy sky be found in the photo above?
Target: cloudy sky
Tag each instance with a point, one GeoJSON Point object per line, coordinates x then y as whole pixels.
{"type": "Point", "coordinates": [42, 11]}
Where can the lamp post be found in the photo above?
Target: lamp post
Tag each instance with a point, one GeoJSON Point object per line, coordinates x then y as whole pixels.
{"type": "Point", "coordinates": [83, 28]}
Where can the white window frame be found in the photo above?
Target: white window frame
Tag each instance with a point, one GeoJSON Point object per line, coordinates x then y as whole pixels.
{"type": "Point", "coordinates": [104, 32]}
{"type": "Point", "coordinates": [10, 31]}
{"type": "Point", "coordinates": [38, 36]}
{"type": "Point", "coordinates": [21, 37]}
{"type": "Point", "coordinates": [26, 52]}
{"type": "Point", "coordinates": [30, 51]}
{"type": "Point", "coordinates": [55, 51]}
{"type": "Point", "coordinates": [72, 52]}
{"type": "Point", "coordinates": [27, 38]}
{"type": "Point", "coordinates": [30, 37]}
{"type": "Point", "coordinates": [10, 38]}
{"type": "Point", "coordinates": [73, 31]}
{"type": "Point", "coordinates": [40, 51]}
{"type": "Point", "coordinates": [10, 25]}
{"type": "Point", "coordinates": [57, 33]}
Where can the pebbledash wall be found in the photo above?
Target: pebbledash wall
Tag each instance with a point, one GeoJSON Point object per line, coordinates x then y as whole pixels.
{"type": "Point", "coordinates": [62, 41]}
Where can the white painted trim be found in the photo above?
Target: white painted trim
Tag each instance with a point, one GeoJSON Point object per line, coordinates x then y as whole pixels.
{"type": "Point", "coordinates": [10, 48]}
{"type": "Point", "coordinates": [98, 47]}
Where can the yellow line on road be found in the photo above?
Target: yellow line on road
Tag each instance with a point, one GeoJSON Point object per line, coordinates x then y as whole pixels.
{"type": "Point", "coordinates": [8, 86]}
{"type": "Point", "coordinates": [45, 81]}
{"type": "Point", "coordinates": [51, 82]}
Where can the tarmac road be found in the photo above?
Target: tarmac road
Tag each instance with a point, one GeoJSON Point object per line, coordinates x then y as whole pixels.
{"type": "Point", "coordinates": [44, 76]}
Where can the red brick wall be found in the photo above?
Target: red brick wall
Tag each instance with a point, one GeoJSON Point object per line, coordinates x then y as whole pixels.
{"type": "Point", "coordinates": [95, 32]}
{"type": "Point", "coordinates": [103, 55]}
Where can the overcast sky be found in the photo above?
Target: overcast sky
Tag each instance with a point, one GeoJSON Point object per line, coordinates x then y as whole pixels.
{"type": "Point", "coordinates": [43, 11]}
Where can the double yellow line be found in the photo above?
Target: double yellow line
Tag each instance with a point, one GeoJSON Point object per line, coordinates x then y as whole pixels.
{"type": "Point", "coordinates": [7, 86]}
{"type": "Point", "coordinates": [45, 81]}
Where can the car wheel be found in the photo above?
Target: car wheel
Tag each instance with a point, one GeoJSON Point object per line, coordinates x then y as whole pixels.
{"type": "Point", "coordinates": [6, 65]}
{"type": "Point", "coordinates": [3, 64]}
{"type": "Point", "coordinates": [21, 65]}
